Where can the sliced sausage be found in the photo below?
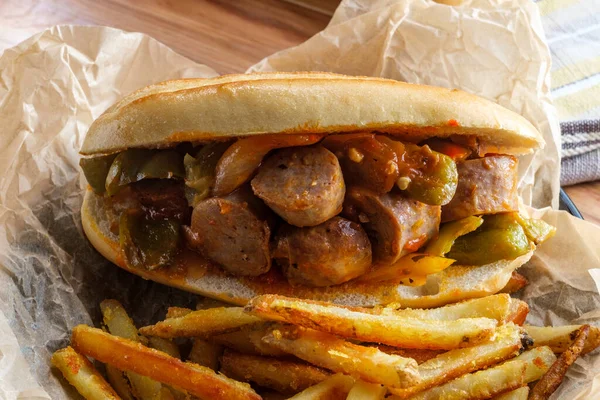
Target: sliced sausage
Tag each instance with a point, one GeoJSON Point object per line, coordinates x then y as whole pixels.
{"type": "Point", "coordinates": [327, 254]}
{"type": "Point", "coordinates": [396, 225]}
{"type": "Point", "coordinates": [304, 185]}
{"type": "Point", "coordinates": [232, 231]}
{"type": "Point", "coordinates": [162, 198]}
{"type": "Point", "coordinates": [365, 161]}
{"type": "Point", "coordinates": [485, 186]}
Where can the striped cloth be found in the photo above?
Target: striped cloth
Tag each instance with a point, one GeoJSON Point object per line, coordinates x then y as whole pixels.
{"type": "Point", "coordinates": [573, 33]}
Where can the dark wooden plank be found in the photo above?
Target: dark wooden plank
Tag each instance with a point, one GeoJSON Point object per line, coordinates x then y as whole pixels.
{"type": "Point", "coordinates": [586, 197]}
{"type": "Point", "coordinates": [227, 35]}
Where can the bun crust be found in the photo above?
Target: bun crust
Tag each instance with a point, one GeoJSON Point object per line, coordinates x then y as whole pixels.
{"type": "Point", "coordinates": [199, 110]}
{"type": "Point", "coordinates": [198, 275]}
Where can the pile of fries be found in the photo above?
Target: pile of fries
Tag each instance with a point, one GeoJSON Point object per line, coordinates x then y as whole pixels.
{"type": "Point", "coordinates": [278, 348]}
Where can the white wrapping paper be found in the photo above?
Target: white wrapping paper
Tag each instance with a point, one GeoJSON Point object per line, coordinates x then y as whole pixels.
{"type": "Point", "coordinates": [53, 85]}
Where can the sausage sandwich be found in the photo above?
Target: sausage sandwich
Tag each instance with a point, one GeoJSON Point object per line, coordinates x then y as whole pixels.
{"type": "Point", "coordinates": [354, 190]}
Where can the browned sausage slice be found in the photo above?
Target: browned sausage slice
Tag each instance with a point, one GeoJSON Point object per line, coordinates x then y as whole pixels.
{"type": "Point", "coordinates": [232, 232]}
{"type": "Point", "coordinates": [485, 186]}
{"type": "Point", "coordinates": [327, 254]}
{"type": "Point", "coordinates": [396, 225]}
{"type": "Point", "coordinates": [304, 185]}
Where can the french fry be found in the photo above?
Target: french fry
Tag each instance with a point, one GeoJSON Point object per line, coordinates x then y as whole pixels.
{"type": "Point", "coordinates": [479, 385]}
{"type": "Point", "coordinates": [280, 375]}
{"type": "Point", "coordinates": [248, 340]}
{"type": "Point", "coordinates": [166, 394]}
{"type": "Point", "coordinates": [521, 393]}
{"type": "Point", "coordinates": [393, 330]}
{"type": "Point", "coordinates": [206, 353]}
{"type": "Point", "coordinates": [554, 376]}
{"type": "Point", "coordinates": [336, 387]}
{"type": "Point", "coordinates": [538, 362]}
{"type": "Point", "coordinates": [510, 375]}
{"type": "Point", "coordinates": [204, 303]}
{"type": "Point", "coordinates": [202, 323]}
{"type": "Point", "coordinates": [167, 346]}
{"type": "Point", "coordinates": [515, 283]}
{"type": "Point", "coordinates": [238, 341]}
{"type": "Point", "coordinates": [419, 355]}
{"type": "Point", "coordinates": [176, 312]}
{"type": "Point", "coordinates": [133, 356]}
{"type": "Point", "coordinates": [560, 338]}
{"type": "Point", "coordinates": [164, 345]}
{"type": "Point", "coordinates": [119, 382]}
{"type": "Point", "coordinates": [495, 307]}
{"type": "Point", "coordinates": [454, 363]}
{"type": "Point", "coordinates": [338, 355]}
{"type": "Point", "coordinates": [518, 312]}
{"type": "Point", "coordinates": [366, 391]}
{"type": "Point", "coordinates": [80, 373]}
{"type": "Point", "coordinates": [119, 323]}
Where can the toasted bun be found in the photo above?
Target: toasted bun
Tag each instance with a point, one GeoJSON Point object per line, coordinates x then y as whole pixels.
{"type": "Point", "coordinates": [199, 110]}
{"type": "Point", "coordinates": [198, 275]}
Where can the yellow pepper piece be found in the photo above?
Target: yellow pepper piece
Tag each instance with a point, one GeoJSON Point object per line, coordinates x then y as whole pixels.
{"type": "Point", "coordinates": [449, 232]}
{"type": "Point", "coordinates": [410, 270]}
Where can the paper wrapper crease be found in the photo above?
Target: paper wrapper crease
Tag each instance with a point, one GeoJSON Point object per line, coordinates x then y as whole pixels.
{"type": "Point", "coordinates": [55, 84]}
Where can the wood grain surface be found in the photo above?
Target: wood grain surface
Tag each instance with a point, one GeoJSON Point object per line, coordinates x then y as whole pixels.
{"type": "Point", "coordinates": [227, 35]}
{"type": "Point", "coordinates": [586, 197]}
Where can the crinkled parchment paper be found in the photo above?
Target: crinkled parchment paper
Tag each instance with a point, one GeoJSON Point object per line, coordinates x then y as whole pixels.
{"type": "Point", "coordinates": [53, 85]}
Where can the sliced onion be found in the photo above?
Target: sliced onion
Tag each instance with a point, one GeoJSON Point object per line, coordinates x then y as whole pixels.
{"type": "Point", "coordinates": [242, 158]}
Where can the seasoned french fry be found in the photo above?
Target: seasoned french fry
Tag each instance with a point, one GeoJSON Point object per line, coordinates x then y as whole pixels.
{"type": "Point", "coordinates": [521, 393]}
{"type": "Point", "coordinates": [338, 355]}
{"type": "Point", "coordinates": [167, 346]}
{"type": "Point", "coordinates": [515, 283]}
{"type": "Point", "coordinates": [249, 340]}
{"type": "Point", "coordinates": [132, 356]}
{"type": "Point", "coordinates": [176, 312]}
{"type": "Point", "coordinates": [120, 324]}
{"type": "Point", "coordinates": [204, 303]}
{"type": "Point", "coordinates": [454, 363]}
{"type": "Point", "coordinates": [80, 373]}
{"type": "Point", "coordinates": [553, 378]}
{"type": "Point", "coordinates": [538, 362]}
{"type": "Point", "coordinates": [117, 320]}
{"type": "Point", "coordinates": [206, 353]}
{"type": "Point", "coordinates": [336, 387]}
{"type": "Point", "coordinates": [394, 330]}
{"type": "Point", "coordinates": [419, 355]}
{"type": "Point", "coordinates": [366, 391]}
{"type": "Point", "coordinates": [166, 394]}
{"type": "Point", "coordinates": [201, 323]}
{"type": "Point", "coordinates": [118, 381]}
{"type": "Point", "coordinates": [283, 376]}
{"type": "Point", "coordinates": [164, 345]}
{"type": "Point", "coordinates": [495, 307]}
{"type": "Point", "coordinates": [479, 385]}
{"type": "Point", "coordinates": [560, 338]}
{"type": "Point", "coordinates": [518, 312]}
{"type": "Point", "coordinates": [238, 341]}
{"type": "Point", "coordinates": [510, 375]}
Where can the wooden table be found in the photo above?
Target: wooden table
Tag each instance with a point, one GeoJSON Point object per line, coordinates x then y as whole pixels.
{"type": "Point", "coordinates": [228, 36]}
